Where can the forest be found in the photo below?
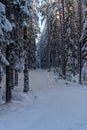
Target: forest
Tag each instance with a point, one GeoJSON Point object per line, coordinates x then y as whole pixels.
{"type": "Point", "coordinates": [43, 64]}
{"type": "Point", "coordinates": [60, 46]}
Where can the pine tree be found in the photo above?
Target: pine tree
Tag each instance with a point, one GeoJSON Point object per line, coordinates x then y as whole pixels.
{"type": "Point", "coordinates": [5, 28]}
{"type": "Point", "coordinates": [83, 41]}
{"type": "Point", "coordinates": [79, 43]}
{"type": "Point", "coordinates": [71, 37]}
{"type": "Point", "coordinates": [63, 61]}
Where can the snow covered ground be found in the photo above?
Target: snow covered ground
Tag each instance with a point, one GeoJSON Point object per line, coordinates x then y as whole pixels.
{"type": "Point", "coordinates": [50, 105]}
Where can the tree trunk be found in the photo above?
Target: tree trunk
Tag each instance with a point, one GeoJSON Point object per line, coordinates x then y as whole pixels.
{"type": "Point", "coordinates": [79, 43]}
{"type": "Point", "coordinates": [26, 77]}
{"type": "Point", "coordinates": [8, 77]}
{"type": "Point", "coordinates": [12, 78]}
{"type": "Point", "coordinates": [63, 61]}
{"type": "Point", "coordinates": [48, 33]}
{"type": "Point", "coordinates": [16, 78]}
{"type": "Point", "coordinates": [26, 74]}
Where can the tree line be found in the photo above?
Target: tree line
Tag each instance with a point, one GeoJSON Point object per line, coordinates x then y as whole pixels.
{"type": "Point", "coordinates": [61, 45]}
{"type": "Point", "coordinates": [18, 31]}
{"type": "Point", "coordinates": [63, 41]}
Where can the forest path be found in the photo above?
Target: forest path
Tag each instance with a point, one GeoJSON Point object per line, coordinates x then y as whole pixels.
{"type": "Point", "coordinates": [56, 106]}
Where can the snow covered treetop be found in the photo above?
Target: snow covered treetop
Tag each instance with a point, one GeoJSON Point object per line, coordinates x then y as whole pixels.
{"type": "Point", "coordinates": [5, 25]}
{"type": "Point", "coordinates": [23, 5]}
{"type": "Point", "coordinates": [2, 9]}
{"type": "Point", "coordinates": [3, 60]}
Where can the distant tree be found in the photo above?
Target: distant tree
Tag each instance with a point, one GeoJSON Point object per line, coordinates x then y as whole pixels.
{"type": "Point", "coordinates": [83, 40]}
{"type": "Point", "coordinates": [71, 38]}
{"type": "Point", "coordinates": [79, 14]}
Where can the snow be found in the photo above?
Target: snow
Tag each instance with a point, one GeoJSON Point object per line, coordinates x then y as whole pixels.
{"type": "Point", "coordinates": [5, 25]}
{"type": "Point", "coordinates": [2, 8]}
{"type": "Point", "coordinates": [50, 105]}
{"type": "Point", "coordinates": [25, 9]}
{"type": "Point", "coordinates": [3, 59]}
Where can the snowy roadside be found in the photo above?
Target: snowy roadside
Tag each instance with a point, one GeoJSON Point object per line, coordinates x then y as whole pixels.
{"type": "Point", "coordinates": [19, 98]}
{"type": "Point", "coordinates": [51, 105]}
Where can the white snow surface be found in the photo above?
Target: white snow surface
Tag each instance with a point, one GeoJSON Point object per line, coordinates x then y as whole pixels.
{"type": "Point", "coordinates": [50, 105]}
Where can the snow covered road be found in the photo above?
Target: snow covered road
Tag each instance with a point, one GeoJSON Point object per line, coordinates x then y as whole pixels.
{"type": "Point", "coordinates": [56, 106]}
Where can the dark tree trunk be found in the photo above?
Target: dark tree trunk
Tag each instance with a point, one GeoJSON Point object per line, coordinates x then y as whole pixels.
{"type": "Point", "coordinates": [48, 33]}
{"type": "Point", "coordinates": [79, 43]}
{"type": "Point", "coordinates": [26, 78]}
{"type": "Point", "coordinates": [26, 74]}
{"type": "Point", "coordinates": [80, 64]}
{"type": "Point", "coordinates": [9, 74]}
{"type": "Point", "coordinates": [16, 78]}
{"type": "Point", "coordinates": [8, 77]}
{"type": "Point", "coordinates": [63, 58]}
{"type": "Point", "coordinates": [12, 78]}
